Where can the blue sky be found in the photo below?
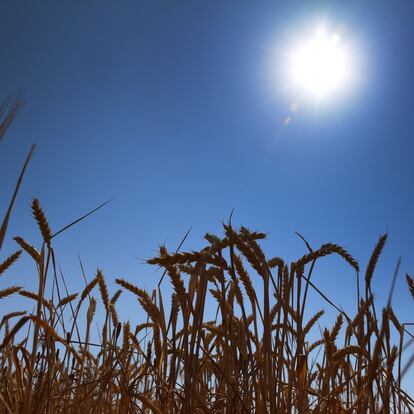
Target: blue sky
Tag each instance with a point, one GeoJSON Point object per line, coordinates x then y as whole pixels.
{"type": "Point", "coordinates": [168, 108]}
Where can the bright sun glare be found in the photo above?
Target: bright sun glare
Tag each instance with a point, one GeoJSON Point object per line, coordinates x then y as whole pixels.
{"type": "Point", "coordinates": [320, 65]}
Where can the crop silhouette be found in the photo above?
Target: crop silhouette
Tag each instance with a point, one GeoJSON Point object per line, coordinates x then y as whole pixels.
{"type": "Point", "coordinates": [258, 354]}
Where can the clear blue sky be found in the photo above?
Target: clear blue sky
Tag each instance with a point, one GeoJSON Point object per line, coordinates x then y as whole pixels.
{"type": "Point", "coordinates": [167, 108]}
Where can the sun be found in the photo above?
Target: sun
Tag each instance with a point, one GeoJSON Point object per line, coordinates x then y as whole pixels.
{"type": "Point", "coordinates": [320, 65]}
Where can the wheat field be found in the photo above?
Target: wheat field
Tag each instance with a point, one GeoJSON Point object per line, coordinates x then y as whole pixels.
{"type": "Point", "coordinates": [257, 355]}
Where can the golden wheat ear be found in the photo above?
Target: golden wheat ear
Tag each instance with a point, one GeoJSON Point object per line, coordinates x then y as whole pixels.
{"type": "Point", "coordinates": [410, 283]}
{"type": "Point", "coordinates": [40, 217]}
{"type": "Point", "coordinates": [9, 261]}
{"type": "Point", "coordinates": [374, 258]}
{"type": "Point", "coordinates": [28, 248]}
{"type": "Point", "coordinates": [9, 291]}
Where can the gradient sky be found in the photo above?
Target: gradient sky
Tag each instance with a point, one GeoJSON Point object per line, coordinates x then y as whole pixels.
{"type": "Point", "coordinates": [169, 109]}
